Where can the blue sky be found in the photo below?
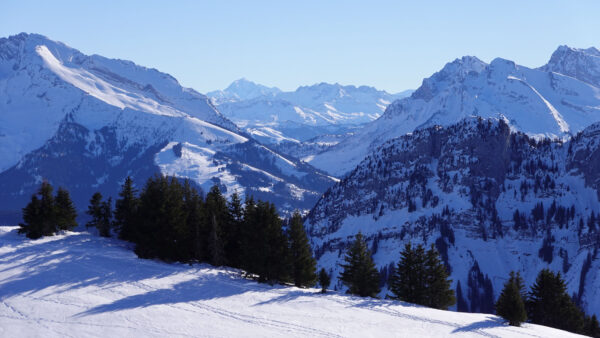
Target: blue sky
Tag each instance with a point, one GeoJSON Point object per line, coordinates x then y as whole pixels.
{"type": "Point", "coordinates": [391, 45]}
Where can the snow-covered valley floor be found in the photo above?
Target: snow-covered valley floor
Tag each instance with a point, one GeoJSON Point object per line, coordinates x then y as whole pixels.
{"type": "Point", "coordinates": [76, 285]}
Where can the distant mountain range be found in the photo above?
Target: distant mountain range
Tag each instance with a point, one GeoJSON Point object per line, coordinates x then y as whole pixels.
{"type": "Point", "coordinates": [274, 116]}
{"type": "Point", "coordinates": [556, 100]}
{"type": "Point", "coordinates": [86, 122]}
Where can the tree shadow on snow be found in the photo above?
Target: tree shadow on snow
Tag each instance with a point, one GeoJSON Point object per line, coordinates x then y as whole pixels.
{"type": "Point", "coordinates": [287, 296]}
{"type": "Point", "coordinates": [184, 292]}
{"type": "Point", "coordinates": [70, 262]}
{"type": "Point", "coordinates": [488, 323]}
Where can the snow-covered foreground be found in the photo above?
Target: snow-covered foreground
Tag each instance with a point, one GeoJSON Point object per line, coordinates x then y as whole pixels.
{"type": "Point", "coordinates": [76, 285]}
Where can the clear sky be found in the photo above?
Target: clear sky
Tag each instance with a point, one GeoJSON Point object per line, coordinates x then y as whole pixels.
{"type": "Point", "coordinates": [391, 45]}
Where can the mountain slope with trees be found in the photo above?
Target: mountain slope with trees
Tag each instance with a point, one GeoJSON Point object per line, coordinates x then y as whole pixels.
{"type": "Point", "coordinates": [490, 199]}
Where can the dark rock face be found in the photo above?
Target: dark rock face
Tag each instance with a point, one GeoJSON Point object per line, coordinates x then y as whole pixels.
{"type": "Point", "coordinates": [80, 160]}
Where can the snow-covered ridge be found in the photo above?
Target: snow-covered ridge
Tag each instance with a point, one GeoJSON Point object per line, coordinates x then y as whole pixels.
{"type": "Point", "coordinates": [75, 284]}
{"type": "Point", "coordinates": [556, 100]}
{"type": "Point", "coordinates": [87, 122]}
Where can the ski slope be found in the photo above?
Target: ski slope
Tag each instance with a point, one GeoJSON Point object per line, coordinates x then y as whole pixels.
{"type": "Point", "coordinates": [77, 285]}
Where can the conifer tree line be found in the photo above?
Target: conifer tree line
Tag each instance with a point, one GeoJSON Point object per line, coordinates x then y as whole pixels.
{"type": "Point", "coordinates": [420, 276]}
{"type": "Point", "coordinates": [547, 303]}
{"type": "Point", "coordinates": [170, 220]}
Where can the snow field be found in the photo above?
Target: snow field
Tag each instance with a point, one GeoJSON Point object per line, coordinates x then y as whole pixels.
{"type": "Point", "coordinates": [79, 285]}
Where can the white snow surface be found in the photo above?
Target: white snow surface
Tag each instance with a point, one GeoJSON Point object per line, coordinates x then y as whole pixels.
{"type": "Point", "coordinates": [80, 285]}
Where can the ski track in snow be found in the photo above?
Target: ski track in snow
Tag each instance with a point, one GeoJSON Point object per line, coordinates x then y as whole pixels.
{"type": "Point", "coordinates": [78, 285]}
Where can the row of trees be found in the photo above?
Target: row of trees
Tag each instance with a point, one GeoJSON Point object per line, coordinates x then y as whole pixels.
{"type": "Point", "coordinates": [170, 220]}
{"type": "Point", "coordinates": [547, 303]}
{"type": "Point", "coordinates": [420, 276]}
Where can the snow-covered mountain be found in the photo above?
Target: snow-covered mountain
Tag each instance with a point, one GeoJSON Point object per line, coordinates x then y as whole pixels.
{"type": "Point", "coordinates": [86, 122]}
{"type": "Point", "coordinates": [75, 284]}
{"type": "Point", "coordinates": [273, 116]}
{"type": "Point", "coordinates": [556, 100]}
{"type": "Point", "coordinates": [242, 89]}
{"type": "Point", "coordinates": [490, 199]}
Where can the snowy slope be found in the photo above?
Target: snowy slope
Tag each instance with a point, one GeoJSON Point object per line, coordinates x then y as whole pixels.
{"type": "Point", "coordinates": [86, 122]}
{"type": "Point", "coordinates": [78, 285]}
{"type": "Point", "coordinates": [557, 100]}
{"type": "Point", "coordinates": [458, 188]}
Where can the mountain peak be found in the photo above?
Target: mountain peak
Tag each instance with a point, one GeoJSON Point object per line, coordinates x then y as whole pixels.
{"type": "Point", "coordinates": [582, 64]}
{"type": "Point", "coordinates": [243, 89]}
{"type": "Point", "coordinates": [456, 70]}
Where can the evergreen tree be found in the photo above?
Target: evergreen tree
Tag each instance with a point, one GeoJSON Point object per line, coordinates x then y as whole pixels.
{"type": "Point", "coordinates": [194, 211]}
{"type": "Point", "coordinates": [264, 244]}
{"type": "Point", "coordinates": [252, 243]}
{"type": "Point", "coordinates": [591, 327]}
{"type": "Point", "coordinates": [217, 214]}
{"type": "Point", "coordinates": [408, 281]}
{"type": "Point", "coordinates": [439, 295]}
{"type": "Point", "coordinates": [215, 245]}
{"type": "Point", "coordinates": [101, 214]}
{"type": "Point", "coordinates": [32, 219]}
{"type": "Point", "coordinates": [40, 215]}
{"type": "Point", "coordinates": [277, 267]}
{"type": "Point", "coordinates": [126, 208]}
{"type": "Point", "coordinates": [65, 210]}
{"type": "Point", "coordinates": [549, 303]}
{"type": "Point", "coordinates": [303, 263]}
{"type": "Point", "coordinates": [421, 278]}
{"type": "Point", "coordinates": [360, 274]}
{"type": "Point", "coordinates": [510, 305]}
{"type": "Point", "coordinates": [324, 280]}
{"type": "Point", "coordinates": [163, 228]}
{"type": "Point", "coordinates": [48, 209]}
{"type": "Point", "coordinates": [233, 231]}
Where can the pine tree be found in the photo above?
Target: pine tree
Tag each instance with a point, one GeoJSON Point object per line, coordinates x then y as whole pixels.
{"type": "Point", "coordinates": [48, 209]}
{"type": "Point", "coordinates": [324, 280]}
{"type": "Point", "coordinates": [40, 215]}
{"type": "Point", "coordinates": [217, 214]}
{"type": "Point", "coordinates": [439, 295]}
{"type": "Point", "coordinates": [65, 210]}
{"type": "Point", "coordinates": [101, 214]}
{"type": "Point", "coordinates": [277, 267]}
{"type": "Point", "coordinates": [126, 208]}
{"type": "Point", "coordinates": [408, 281]}
{"type": "Point", "coordinates": [303, 263]}
{"type": "Point", "coordinates": [549, 303]}
{"type": "Point", "coordinates": [510, 305]}
{"type": "Point", "coordinates": [215, 245]}
{"type": "Point", "coordinates": [194, 210]}
{"type": "Point", "coordinates": [591, 327]}
{"type": "Point", "coordinates": [233, 231]}
{"type": "Point", "coordinates": [264, 244]}
{"type": "Point", "coordinates": [421, 278]}
{"type": "Point", "coordinates": [32, 221]}
{"type": "Point", "coordinates": [360, 274]}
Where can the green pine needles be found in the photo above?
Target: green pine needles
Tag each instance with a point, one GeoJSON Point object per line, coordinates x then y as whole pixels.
{"type": "Point", "coordinates": [421, 278]}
